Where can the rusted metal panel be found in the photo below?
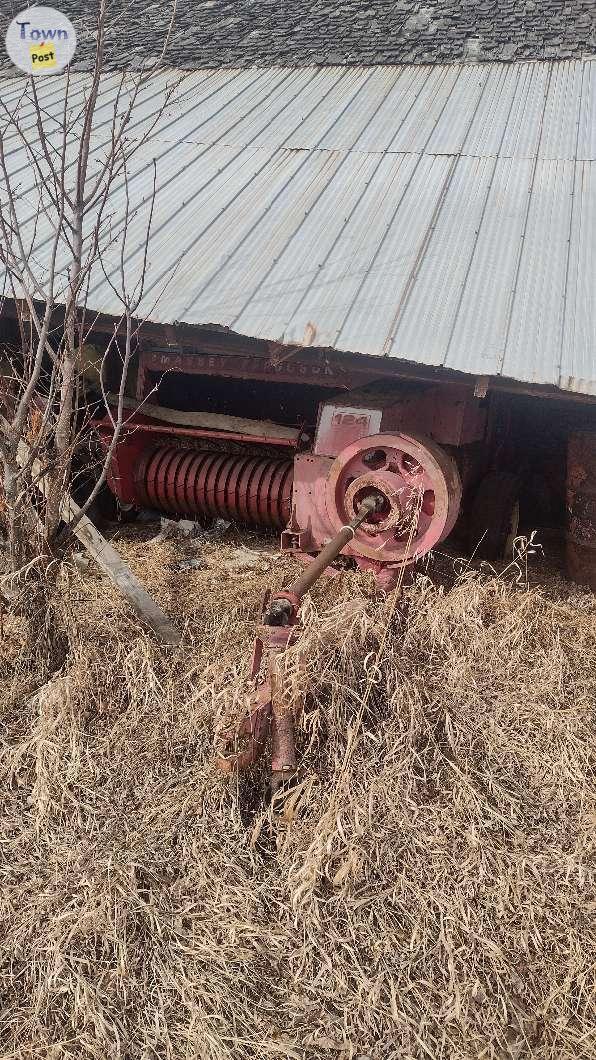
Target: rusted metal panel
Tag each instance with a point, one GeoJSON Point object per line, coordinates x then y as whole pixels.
{"type": "Point", "coordinates": [294, 369]}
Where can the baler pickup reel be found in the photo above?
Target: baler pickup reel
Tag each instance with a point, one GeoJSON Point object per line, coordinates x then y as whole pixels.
{"type": "Point", "coordinates": [269, 712]}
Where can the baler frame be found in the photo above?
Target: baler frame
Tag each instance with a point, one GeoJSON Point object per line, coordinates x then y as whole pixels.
{"type": "Point", "coordinates": [198, 462]}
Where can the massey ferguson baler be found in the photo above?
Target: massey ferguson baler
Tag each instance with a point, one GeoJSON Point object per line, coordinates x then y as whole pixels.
{"type": "Point", "coordinates": [318, 448]}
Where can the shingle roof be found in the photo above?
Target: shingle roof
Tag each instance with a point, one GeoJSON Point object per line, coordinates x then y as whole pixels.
{"type": "Point", "coordinates": [237, 33]}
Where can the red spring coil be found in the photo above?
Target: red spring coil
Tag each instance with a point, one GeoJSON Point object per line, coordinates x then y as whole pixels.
{"type": "Point", "coordinates": [245, 489]}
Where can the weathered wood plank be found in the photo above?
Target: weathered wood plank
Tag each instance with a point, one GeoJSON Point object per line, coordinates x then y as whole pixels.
{"type": "Point", "coordinates": [110, 561]}
{"type": "Point", "coordinates": [213, 420]}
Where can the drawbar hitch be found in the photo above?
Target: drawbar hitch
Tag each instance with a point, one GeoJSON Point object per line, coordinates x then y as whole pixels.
{"type": "Point", "coordinates": [269, 712]}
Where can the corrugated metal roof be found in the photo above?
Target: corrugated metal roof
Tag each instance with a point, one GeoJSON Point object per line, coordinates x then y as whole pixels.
{"type": "Point", "coordinates": [444, 215]}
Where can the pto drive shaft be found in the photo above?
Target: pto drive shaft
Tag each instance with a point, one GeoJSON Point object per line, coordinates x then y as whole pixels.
{"type": "Point", "coordinates": [267, 710]}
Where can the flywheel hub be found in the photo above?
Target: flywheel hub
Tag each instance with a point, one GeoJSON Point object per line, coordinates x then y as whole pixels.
{"type": "Point", "coordinates": [418, 488]}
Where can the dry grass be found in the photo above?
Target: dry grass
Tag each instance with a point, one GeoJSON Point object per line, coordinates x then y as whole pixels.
{"type": "Point", "coordinates": [428, 889]}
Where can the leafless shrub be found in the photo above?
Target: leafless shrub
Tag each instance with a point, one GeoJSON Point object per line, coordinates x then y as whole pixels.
{"type": "Point", "coordinates": [58, 227]}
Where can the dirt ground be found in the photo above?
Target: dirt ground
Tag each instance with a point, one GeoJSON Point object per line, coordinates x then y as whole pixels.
{"type": "Point", "coordinates": [426, 889]}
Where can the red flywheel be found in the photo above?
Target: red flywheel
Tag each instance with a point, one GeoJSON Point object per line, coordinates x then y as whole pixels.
{"type": "Point", "coordinates": [419, 491]}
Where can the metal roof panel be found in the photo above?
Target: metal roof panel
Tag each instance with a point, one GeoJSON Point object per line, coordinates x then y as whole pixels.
{"type": "Point", "coordinates": [444, 215]}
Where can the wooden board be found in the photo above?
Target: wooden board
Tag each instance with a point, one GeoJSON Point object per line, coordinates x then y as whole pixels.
{"type": "Point", "coordinates": [213, 420]}
{"type": "Point", "coordinates": [111, 562]}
